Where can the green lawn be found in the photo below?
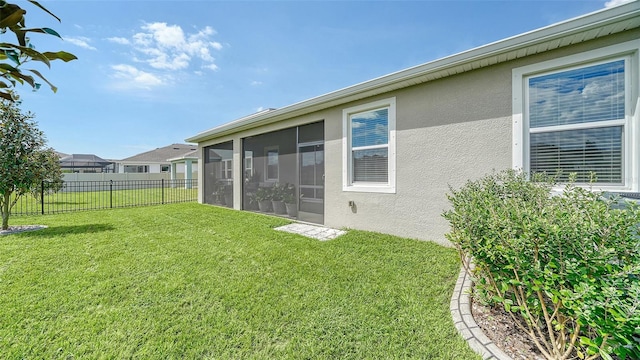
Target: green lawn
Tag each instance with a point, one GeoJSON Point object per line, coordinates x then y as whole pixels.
{"type": "Point", "coordinates": [194, 281]}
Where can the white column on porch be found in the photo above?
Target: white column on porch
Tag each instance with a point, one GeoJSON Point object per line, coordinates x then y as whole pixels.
{"type": "Point", "coordinates": [173, 174]}
{"type": "Point", "coordinates": [188, 173]}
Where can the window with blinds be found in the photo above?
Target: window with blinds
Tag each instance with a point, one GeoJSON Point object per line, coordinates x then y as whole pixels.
{"type": "Point", "coordinates": [577, 122]}
{"type": "Point", "coordinates": [369, 147]}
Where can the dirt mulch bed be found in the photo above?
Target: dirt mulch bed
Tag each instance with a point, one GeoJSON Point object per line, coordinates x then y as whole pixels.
{"type": "Point", "coordinates": [499, 327]}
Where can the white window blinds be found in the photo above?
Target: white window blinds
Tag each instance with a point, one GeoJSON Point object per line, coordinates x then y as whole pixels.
{"type": "Point", "coordinates": [577, 122]}
{"type": "Point", "coordinates": [370, 146]}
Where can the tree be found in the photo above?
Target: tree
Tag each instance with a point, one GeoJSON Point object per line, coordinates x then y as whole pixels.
{"type": "Point", "coordinates": [25, 161]}
{"type": "Point", "coordinates": [13, 56]}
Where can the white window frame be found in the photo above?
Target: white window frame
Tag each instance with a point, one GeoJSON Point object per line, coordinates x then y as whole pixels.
{"type": "Point", "coordinates": [267, 150]}
{"type": "Point", "coordinates": [347, 160]}
{"type": "Point", "coordinates": [248, 163]}
{"type": "Point", "coordinates": [227, 169]}
{"type": "Point", "coordinates": [631, 127]}
{"type": "Point", "coordinates": [139, 169]}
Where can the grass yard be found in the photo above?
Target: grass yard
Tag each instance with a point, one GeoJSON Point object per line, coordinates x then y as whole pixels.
{"type": "Point", "coordinates": [199, 282]}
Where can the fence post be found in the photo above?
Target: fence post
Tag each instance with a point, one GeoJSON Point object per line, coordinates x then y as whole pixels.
{"type": "Point", "coordinates": [162, 182]}
{"type": "Point", "coordinates": [42, 196]}
{"type": "Point", "coordinates": [111, 194]}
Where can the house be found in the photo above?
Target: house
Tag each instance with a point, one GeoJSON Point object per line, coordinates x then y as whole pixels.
{"type": "Point", "coordinates": [380, 155]}
{"type": "Point", "coordinates": [174, 159]}
{"type": "Point", "coordinates": [60, 154]}
{"type": "Point", "coordinates": [84, 163]}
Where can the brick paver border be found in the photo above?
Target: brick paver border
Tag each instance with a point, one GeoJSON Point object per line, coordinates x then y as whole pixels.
{"type": "Point", "coordinates": [466, 325]}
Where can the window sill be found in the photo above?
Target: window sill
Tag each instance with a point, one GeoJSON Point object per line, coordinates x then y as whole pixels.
{"type": "Point", "coordinates": [559, 188]}
{"type": "Point", "coordinates": [384, 189]}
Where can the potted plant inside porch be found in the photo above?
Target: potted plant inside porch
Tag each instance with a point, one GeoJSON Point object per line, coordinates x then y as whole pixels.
{"type": "Point", "coordinates": [251, 202]}
{"type": "Point", "coordinates": [263, 197]}
{"type": "Point", "coordinates": [290, 200]}
{"type": "Point", "coordinates": [277, 193]}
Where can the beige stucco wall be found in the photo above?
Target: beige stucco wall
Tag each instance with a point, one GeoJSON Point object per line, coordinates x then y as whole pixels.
{"type": "Point", "coordinates": [448, 131]}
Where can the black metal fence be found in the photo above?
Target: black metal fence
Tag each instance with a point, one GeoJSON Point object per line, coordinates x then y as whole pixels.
{"type": "Point", "coordinates": [94, 195]}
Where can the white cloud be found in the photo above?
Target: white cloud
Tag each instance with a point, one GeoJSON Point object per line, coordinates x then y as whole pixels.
{"type": "Point", "coordinates": [212, 67]}
{"type": "Point", "coordinates": [119, 40]}
{"type": "Point", "coordinates": [165, 36]}
{"type": "Point", "coordinates": [80, 41]}
{"type": "Point", "coordinates": [261, 108]}
{"type": "Point", "coordinates": [169, 47]}
{"type": "Point", "coordinates": [612, 3]}
{"type": "Point", "coordinates": [133, 77]}
{"type": "Point", "coordinates": [256, 83]}
{"type": "Point", "coordinates": [157, 51]}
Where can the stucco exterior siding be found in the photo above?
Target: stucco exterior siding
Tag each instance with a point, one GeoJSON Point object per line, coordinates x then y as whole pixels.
{"type": "Point", "coordinates": [448, 131]}
{"type": "Point", "coordinates": [429, 160]}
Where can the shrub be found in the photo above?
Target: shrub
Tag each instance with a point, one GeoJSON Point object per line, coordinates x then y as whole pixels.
{"type": "Point", "coordinates": [566, 267]}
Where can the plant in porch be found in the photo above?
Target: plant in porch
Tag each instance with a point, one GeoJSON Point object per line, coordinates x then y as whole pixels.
{"type": "Point", "coordinates": [263, 197]}
{"type": "Point", "coordinates": [251, 184]}
{"type": "Point", "coordinates": [290, 200]}
{"type": "Point", "coordinates": [250, 202]}
{"type": "Point", "coordinates": [251, 180]}
{"type": "Point", "coordinates": [277, 195]}
{"type": "Point", "coordinates": [217, 192]}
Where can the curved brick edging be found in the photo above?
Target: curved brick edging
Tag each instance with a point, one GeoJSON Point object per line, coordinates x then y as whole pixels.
{"type": "Point", "coordinates": [463, 319]}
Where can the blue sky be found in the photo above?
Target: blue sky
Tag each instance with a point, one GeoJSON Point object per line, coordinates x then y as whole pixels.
{"type": "Point", "coordinates": [152, 73]}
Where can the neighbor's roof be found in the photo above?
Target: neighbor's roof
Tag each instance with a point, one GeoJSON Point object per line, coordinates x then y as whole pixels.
{"type": "Point", "coordinates": [587, 27]}
{"type": "Point", "coordinates": [161, 155]}
{"type": "Point", "coordinates": [60, 154]}
{"type": "Point", "coordinates": [83, 161]}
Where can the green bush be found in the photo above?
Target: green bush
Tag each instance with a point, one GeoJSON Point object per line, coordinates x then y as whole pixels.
{"type": "Point", "coordinates": [565, 266]}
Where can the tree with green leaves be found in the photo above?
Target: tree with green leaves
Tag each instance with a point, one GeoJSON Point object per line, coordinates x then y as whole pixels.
{"type": "Point", "coordinates": [14, 55]}
{"type": "Point", "coordinates": [25, 161]}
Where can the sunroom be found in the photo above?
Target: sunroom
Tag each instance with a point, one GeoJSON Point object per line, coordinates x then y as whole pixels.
{"type": "Point", "coordinates": [282, 173]}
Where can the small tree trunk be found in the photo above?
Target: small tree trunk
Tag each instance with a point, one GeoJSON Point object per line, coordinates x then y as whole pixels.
{"type": "Point", "coordinates": [5, 211]}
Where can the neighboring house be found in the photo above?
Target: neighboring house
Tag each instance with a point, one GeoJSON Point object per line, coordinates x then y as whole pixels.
{"type": "Point", "coordinates": [381, 155]}
{"type": "Point", "coordinates": [159, 160]}
{"type": "Point", "coordinates": [60, 154]}
{"type": "Point", "coordinates": [84, 163]}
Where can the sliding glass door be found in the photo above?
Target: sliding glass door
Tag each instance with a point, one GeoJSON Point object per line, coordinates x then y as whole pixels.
{"type": "Point", "coordinates": [311, 182]}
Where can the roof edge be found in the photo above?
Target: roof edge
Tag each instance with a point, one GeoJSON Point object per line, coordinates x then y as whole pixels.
{"type": "Point", "coordinates": [574, 25]}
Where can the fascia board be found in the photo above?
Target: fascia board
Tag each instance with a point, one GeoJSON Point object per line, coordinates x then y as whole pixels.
{"type": "Point", "coordinates": [182, 158]}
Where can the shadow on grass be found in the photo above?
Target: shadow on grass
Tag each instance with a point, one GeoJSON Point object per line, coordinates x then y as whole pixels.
{"type": "Point", "coordinates": [54, 231]}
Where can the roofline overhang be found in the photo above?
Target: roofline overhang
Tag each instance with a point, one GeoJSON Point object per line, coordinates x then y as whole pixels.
{"type": "Point", "coordinates": [183, 158]}
{"type": "Point", "coordinates": [503, 50]}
